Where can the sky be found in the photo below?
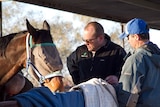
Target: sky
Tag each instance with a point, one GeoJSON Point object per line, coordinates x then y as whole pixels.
{"type": "Point", "coordinates": [107, 24]}
{"type": "Point", "coordinates": [43, 13]}
{"type": "Point", "coordinates": [155, 36]}
{"type": "Point", "coordinates": [49, 13]}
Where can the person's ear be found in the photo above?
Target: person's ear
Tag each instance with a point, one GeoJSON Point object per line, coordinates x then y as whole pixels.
{"type": "Point", "coordinates": [101, 37]}
{"type": "Point", "coordinates": [136, 36]}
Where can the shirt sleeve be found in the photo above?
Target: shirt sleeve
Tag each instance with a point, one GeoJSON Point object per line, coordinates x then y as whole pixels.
{"type": "Point", "coordinates": [129, 79]}
{"type": "Point", "coordinates": [72, 65]}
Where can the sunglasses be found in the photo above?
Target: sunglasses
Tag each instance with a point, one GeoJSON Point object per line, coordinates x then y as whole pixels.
{"type": "Point", "coordinates": [89, 40]}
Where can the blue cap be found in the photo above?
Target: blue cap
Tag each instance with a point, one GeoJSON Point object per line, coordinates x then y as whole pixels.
{"type": "Point", "coordinates": [135, 26]}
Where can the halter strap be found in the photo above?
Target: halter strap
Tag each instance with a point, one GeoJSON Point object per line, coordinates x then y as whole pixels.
{"type": "Point", "coordinates": [29, 63]}
{"type": "Point", "coordinates": [29, 45]}
{"type": "Point", "coordinates": [41, 44]}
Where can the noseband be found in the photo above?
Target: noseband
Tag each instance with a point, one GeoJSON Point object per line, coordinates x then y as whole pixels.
{"type": "Point", "coordinates": [29, 46]}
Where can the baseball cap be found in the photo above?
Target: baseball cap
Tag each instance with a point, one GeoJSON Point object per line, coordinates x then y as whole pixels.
{"type": "Point", "coordinates": [135, 26]}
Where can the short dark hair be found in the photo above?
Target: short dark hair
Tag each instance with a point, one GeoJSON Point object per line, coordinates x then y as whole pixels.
{"type": "Point", "coordinates": [98, 27]}
{"type": "Point", "coordinates": [144, 36]}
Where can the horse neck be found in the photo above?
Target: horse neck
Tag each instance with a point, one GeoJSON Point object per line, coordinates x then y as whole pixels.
{"type": "Point", "coordinates": [19, 42]}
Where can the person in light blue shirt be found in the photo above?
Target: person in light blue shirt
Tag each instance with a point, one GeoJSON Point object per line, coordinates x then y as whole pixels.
{"type": "Point", "coordinates": [140, 76]}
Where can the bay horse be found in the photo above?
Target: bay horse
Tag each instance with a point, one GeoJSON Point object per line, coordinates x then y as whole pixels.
{"type": "Point", "coordinates": [34, 50]}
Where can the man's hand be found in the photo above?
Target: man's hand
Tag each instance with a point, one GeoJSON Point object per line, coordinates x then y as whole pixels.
{"type": "Point", "coordinates": [112, 79]}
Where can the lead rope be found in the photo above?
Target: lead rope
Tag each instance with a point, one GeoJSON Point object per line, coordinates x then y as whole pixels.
{"type": "Point", "coordinates": [29, 63]}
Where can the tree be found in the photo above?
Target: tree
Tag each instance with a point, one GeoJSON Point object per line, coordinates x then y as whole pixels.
{"type": "Point", "coordinates": [66, 33]}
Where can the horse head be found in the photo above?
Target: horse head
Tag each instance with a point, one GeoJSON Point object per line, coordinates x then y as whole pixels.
{"type": "Point", "coordinates": [35, 46]}
{"type": "Point", "coordinates": [45, 60]}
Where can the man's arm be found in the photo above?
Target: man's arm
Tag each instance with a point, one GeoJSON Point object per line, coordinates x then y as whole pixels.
{"type": "Point", "coordinates": [129, 83]}
{"type": "Point", "coordinates": [119, 62]}
{"type": "Point", "coordinates": [73, 67]}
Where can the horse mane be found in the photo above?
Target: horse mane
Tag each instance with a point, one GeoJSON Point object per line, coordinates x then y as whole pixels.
{"type": "Point", "coordinates": [4, 41]}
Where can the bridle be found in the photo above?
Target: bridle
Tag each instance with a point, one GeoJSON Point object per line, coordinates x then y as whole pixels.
{"type": "Point", "coordinates": [29, 46]}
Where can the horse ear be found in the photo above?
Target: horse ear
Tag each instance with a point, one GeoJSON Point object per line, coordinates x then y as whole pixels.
{"type": "Point", "coordinates": [46, 25]}
{"type": "Point", "coordinates": [30, 28]}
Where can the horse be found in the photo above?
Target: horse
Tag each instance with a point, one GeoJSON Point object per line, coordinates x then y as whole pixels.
{"type": "Point", "coordinates": [34, 50]}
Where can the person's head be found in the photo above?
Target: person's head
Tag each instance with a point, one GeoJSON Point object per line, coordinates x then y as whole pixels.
{"type": "Point", "coordinates": [137, 32]}
{"type": "Point", "coordinates": [94, 36]}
